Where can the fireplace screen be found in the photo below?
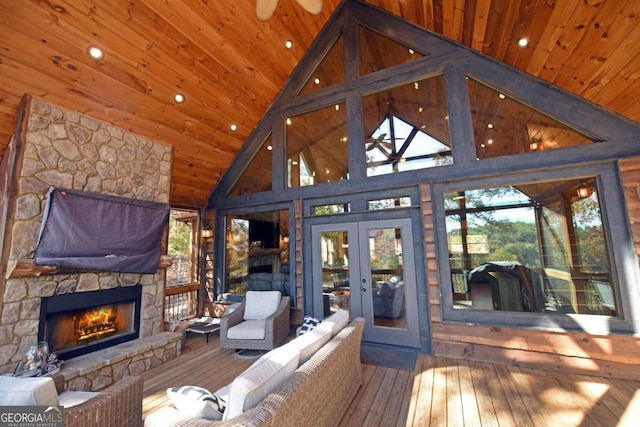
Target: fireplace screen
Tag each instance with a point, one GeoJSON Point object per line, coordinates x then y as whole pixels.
{"type": "Point", "coordinates": [80, 323]}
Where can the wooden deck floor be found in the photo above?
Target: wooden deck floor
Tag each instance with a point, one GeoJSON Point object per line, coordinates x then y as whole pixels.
{"type": "Point", "coordinates": [440, 392]}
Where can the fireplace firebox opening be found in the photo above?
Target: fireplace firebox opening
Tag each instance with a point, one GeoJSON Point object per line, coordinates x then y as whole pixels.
{"type": "Point", "coordinates": [84, 322]}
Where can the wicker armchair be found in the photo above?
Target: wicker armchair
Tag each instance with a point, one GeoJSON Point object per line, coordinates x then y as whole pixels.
{"type": "Point", "coordinates": [276, 328]}
{"type": "Point", "coordinates": [119, 405]}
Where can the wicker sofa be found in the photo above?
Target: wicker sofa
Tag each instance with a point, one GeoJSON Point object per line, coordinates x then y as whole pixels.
{"type": "Point", "coordinates": [317, 394]}
{"type": "Point", "coordinates": [119, 405]}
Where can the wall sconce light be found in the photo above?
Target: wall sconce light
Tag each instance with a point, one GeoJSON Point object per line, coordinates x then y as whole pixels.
{"type": "Point", "coordinates": [207, 231]}
{"type": "Point", "coordinates": [535, 144]}
{"type": "Point", "coordinates": [584, 191]}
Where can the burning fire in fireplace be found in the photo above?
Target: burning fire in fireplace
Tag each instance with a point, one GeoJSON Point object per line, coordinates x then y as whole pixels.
{"type": "Point", "coordinates": [82, 322]}
{"type": "Point", "coordinates": [96, 324]}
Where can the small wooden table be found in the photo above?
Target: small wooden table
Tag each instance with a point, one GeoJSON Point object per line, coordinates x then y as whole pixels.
{"type": "Point", "coordinates": [204, 326]}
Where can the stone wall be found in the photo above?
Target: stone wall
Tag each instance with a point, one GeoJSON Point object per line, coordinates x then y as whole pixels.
{"type": "Point", "coordinates": [65, 149]}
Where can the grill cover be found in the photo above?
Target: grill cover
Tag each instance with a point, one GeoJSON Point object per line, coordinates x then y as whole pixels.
{"type": "Point", "coordinates": [92, 231]}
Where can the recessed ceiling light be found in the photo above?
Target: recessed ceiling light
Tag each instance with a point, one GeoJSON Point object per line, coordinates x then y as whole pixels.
{"type": "Point", "coordinates": [482, 145]}
{"type": "Point", "coordinates": [490, 125]}
{"type": "Point", "coordinates": [411, 51]}
{"type": "Point", "coordinates": [269, 148]}
{"type": "Point", "coordinates": [95, 53]}
{"type": "Point", "coordinates": [288, 44]}
{"type": "Point", "coordinates": [416, 85]}
{"type": "Point", "coordinates": [317, 81]}
{"type": "Point", "coordinates": [502, 96]}
{"type": "Point", "coordinates": [288, 121]}
{"type": "Point", "coordinates": [420, 109]}
{"type": "Point", "coordinates": [179, 98]}
{"type": "Point", "coordinates": [490, 141]}
{"type": "Point", "coordinates": [523, 42]}
{"type": "Point", "coordinates": [337, 107]}
{"type": "Point", "coordinates": [233, 127]}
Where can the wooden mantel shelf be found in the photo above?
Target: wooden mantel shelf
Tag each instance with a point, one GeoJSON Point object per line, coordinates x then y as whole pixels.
{"type": "Point", "coordinates": [17, 269]}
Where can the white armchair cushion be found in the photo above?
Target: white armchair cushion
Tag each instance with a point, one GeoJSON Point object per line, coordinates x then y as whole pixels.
{"type": "Point", "coordinates": [260, 304]}
{"type": "Point", "coordinates": [32, 391]}
{"type": "Point", "coordinates": [260, 379]}
{"type": "Point", "coordinates": [247, 330]}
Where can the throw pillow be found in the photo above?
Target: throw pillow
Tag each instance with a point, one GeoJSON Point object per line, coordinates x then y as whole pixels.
{"type": "Point", "coordinates": [260, 304]}
{"type": "Point", "coordinates": [197, 402]}
{"type": "Point", "coordinates": [308, 324]}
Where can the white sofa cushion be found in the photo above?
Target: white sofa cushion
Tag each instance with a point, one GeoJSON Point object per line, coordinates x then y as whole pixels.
{"type": "Point", "coordinates": [71, 398]}
{"type": "Point", "coordinates": [32, 391]}
{"type": "Point", "coordinates": [335, 322]}
{"type": "Point", "coordinates": [260, 304]}
{"type": "Point", "coordinates": [263, 377]}
{"type": "Point", "coordinates": [247, 330]}
{"type": "Point", "coordinates": [307, 344]}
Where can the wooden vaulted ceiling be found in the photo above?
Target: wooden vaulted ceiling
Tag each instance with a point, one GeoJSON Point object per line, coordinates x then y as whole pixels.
{"type": "Point", "coordinates": [230, 66]}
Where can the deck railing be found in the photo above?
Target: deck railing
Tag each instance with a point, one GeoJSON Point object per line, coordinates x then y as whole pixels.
{"type": "Point", "coordinates": [181, 302]}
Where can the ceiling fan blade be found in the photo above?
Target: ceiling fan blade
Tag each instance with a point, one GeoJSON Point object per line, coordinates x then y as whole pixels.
{"type": "Point", "coordinates": [314, 7]}
{"type": "Point", "coordinates": [265, 8]}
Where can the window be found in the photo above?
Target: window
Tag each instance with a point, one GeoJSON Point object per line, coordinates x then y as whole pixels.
{"type": "Point", "coordinates": [503, 126]}
{"type": "Point", "coordinates": [317, 146]}
{"type": "Point", "coordinates": [257, 252]}
{"type": "Point", "coordinates": [538, 247]}
{"type": "Point", "coordinates": [182, 247]}
{"type": "Point", "coordinates": [407, 128]}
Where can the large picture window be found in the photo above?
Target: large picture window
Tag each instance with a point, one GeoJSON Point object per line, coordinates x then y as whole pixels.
{"type": "Point", "coordinates": [538, 247]}
{"type": "Point", "coordinates": [257, 252]}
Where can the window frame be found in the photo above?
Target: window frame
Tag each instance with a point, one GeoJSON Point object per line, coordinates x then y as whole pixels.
{"type": "Point", "coordinates": [624, 268]}
{"type": "Point", "coordinates": [195, 246]}
{"type": "Point", "coordinates": [220, 243]}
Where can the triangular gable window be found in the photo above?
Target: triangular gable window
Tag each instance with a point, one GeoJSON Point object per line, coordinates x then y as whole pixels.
{"type": "Point", "coordinates": [503, 126]}
{"type": "Point", "coordinates": [378, 52]}
{"type": "Point", "coordinates": [329, 72]}
{"type": "Point", "coordinates": [406, 127]}
{"type": "Point", "coordinates": [256, 177]}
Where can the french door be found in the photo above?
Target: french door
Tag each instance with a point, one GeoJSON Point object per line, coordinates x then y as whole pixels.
{"type": "Point", "coordinates": [367, 267]}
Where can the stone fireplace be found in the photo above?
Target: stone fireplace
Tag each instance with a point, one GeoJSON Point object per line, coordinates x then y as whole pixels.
{"type": "Point", "coordinates": [84, 322]}
{"type": "Point", "coordinates": [61, 148]}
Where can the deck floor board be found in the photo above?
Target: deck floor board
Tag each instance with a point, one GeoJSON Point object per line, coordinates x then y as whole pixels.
{"type": "Point", "coordinates": [439, 392]}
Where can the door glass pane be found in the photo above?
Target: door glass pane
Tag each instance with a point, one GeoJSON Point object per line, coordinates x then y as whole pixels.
{"type": "Point", "coordinates": [387, 277]}
{"type": "Point", "coordinates": [334, 246]}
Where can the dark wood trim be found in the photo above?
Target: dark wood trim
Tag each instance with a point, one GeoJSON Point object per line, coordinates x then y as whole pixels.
{"type": "Point", "coordinates": [578, 113]}
{"type": "Point", "coordinates": [459, 110]}
{"type": "Point", "coordinates": [11, 167]}
{"type": "Point", "coordinates": [17, 269]}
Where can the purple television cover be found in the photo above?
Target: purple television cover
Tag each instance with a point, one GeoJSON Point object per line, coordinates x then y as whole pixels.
{"type": "Point", "coordinates": [92, 231]}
